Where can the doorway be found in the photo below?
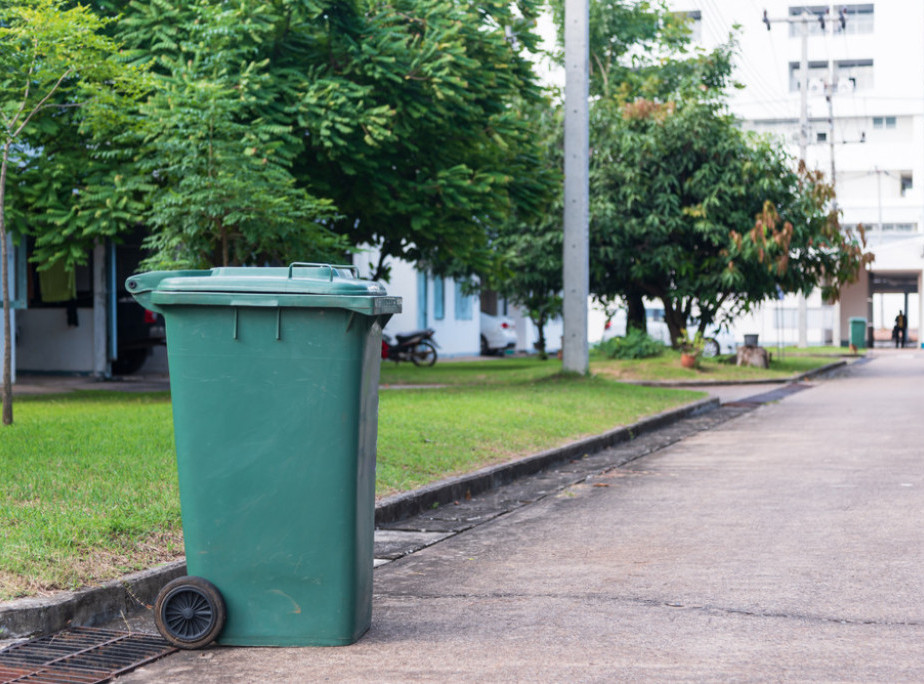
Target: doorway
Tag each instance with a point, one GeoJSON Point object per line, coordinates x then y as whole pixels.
{"type": "Point", "coordinates": [891, 293]}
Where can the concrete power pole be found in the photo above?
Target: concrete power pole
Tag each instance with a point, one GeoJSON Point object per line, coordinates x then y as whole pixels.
{"type": "Point", "coordinates": [804, 19]}
{"type": "Point", "coordinates": [803, 149]}
{"type": "Point", "coordinates": [576, 251]}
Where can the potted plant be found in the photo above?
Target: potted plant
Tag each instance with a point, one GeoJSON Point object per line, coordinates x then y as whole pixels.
{"type": "Point", "coordinates": [690, 349]}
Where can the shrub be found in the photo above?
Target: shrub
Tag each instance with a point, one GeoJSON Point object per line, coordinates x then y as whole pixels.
{"type": "Point", "coordinates": [635, 345]}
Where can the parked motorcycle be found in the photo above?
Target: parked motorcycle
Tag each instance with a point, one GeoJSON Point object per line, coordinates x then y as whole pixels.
{"type": "Point", "coordinates": [418, 347]}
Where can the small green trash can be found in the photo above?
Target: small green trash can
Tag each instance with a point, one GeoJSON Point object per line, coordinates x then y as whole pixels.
{"type": "Point", "coordinates": [274, 378]}
{"type": "Point", "coordinates": [858, 332]}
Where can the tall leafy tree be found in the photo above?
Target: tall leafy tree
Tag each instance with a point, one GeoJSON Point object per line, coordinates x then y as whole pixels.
{"type": "Point", "coordinates": [216, 172]}
{"type": "Point", "coordinates": [402, 113]}
{"type": "Point", "coordinates": [627, 37]}
{"type": "Point", "coordinates": [690, 210]}
{"type": "Point", "coordinates": [54, 60]}
{"type": "Point", "coordinates": [529, 250]}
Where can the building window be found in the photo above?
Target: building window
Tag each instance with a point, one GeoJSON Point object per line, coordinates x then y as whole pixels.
{"type": "Point", "coordinates": [439, 298]}
{"type": "Point", "coordinates": [815, 12]}
{"type": "Point", "coordinates": [886, 227]}
{"type": "Point", "coordinates": [857, 72]}
{"type": "Point", "coordinates": [817, 74]}
{"type": "Point", "coordinates": [859, 19]}
{"type": "Point", "coordinates": [821, 137]}
{"type": "Point", "coordinates": [884, 122]}
{"type": "Point", "coordinates": [907, 184]}
{"type": "Point", "coordinates": [463, 304]}
{"type": "Point", "coordinates": [421, 300]}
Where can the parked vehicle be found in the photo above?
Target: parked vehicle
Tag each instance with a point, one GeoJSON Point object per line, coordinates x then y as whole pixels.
{"type": "Point", "coordinates": [139, 331]}
{"type": "Point", "coordinates": [418, 347]}
{"type": "Point", "coordinates": [498, 334]}
{"type": "Point", "coordinates": [716, 340]}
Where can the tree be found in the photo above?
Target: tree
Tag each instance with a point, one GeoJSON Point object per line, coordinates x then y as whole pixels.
{"type": "Point", "coordinates": [223, 192]}
{"type": "Point", "coordinates": [529, 252]}
{"type": "Point", "coordinates": [404, 114]}
{"type": "Point", "coordinates": [52, 60]}
{"type": "Point", "coordinates": [690, 210]}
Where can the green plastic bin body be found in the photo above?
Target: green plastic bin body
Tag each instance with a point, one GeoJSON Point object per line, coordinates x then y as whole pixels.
{"type": "Point", "coordinates": [274, 380]}
{"type": "Point", "coordinates": [858, 332]}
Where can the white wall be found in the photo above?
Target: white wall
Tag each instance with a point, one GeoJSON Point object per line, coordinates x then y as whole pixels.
{"type": "Point", "coordinates": [46, 343]}
{"type": "Point", "coordinates": [455, 336]}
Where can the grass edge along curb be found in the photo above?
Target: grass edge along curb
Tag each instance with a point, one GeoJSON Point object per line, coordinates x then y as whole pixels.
{"type": "Point", "coordinates": [806, 375]}
{"type": "Point", "coordinates": [407, 504]}
{"type": "Point", "coordinates": [36, 616]}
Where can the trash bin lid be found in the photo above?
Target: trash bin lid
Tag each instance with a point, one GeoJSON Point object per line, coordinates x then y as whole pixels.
{"type": "Point", "coordinates": [298, 285]}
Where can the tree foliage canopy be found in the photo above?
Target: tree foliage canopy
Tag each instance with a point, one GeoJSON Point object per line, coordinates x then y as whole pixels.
{"type": "Point", "coordinates": [384, 122]}
{"type": "Point", "coordinates": [688, 209]}
{"type": "Point", "coordinates": [54, 61]}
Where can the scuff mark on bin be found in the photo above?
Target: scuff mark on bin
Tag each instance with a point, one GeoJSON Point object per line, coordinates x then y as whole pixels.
{"type": "Point", "coordinates": [296, 609]}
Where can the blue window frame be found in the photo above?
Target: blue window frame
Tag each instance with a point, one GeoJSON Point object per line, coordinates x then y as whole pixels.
{"type": "Point", "coordinates": [439, 298]}
{"type": "Point", "coordinates": [463, 304]}
{"type": "Point", "coordinates": [421, 300]}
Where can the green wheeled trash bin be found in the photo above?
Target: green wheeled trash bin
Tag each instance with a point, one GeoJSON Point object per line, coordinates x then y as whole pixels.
{"type": "Point", "coordinates": [274, 378]}
{"type": "Point", "coordinates": [858, 332]}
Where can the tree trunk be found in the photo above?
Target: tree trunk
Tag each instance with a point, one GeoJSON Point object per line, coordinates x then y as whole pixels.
{"type": "Point", "coordinates": [676, 320]}
{"type": "Point", "coordinates": [7, 392]}
{"type": "Point", "coordinates": [635, 313]}
{"type": "Point", "coordinates": [540, 343]}
{"type": "Point", "coordinates": [223, 232]}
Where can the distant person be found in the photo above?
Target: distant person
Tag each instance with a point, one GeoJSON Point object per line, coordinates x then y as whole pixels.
{"type": "Point", "coordinates": [900, 329]}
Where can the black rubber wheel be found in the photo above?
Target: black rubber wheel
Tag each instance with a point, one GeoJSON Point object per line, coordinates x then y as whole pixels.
{"type": "Point", "coordinates": [710, 347]}
{"type": "Point", "coordinates": [189, 612]}
{"type": "Point", "coordinates": [424, 354]}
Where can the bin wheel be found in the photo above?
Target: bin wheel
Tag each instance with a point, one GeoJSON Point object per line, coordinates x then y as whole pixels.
{"type": "Point", "coordinates": [189, 612]}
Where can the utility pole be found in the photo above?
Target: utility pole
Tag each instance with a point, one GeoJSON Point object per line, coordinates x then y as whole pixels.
{"type": "Point", "coordinates": [804, 19]}
{"type": "Point", "coordinates": [576, 253]}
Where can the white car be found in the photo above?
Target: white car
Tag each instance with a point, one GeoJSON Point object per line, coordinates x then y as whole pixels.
{"type": "Point", "coordinates": [718, 340]}
{"type": "Point", "coordinates": [498, 334]}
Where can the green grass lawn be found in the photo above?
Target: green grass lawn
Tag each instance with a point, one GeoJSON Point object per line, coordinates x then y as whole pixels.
{"type": "Point", "coordinates": [90, 489]}
{"type": "Point", "coordinates": [428, 434]}
{"type": "Point", "coordinates": [818, 351]}
{"type": "Point", "coordinates": [667, 368]}
{"type": "Point", "coordinates": [484, 371]}
{"type": "Point", "coordinates": [507, 371]}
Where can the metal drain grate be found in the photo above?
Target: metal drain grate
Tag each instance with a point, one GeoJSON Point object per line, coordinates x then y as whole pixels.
{"type": "Point", "coordinates": [81, 655]}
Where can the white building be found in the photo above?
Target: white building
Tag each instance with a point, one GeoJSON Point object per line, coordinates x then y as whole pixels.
{"type": "Point", "coordinates": [444, 305]}
{"type": "Point", "coordinates": [864, 112]}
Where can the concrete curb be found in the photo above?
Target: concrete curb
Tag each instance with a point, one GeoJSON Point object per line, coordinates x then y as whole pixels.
{"type": "Point", "coordinates": [807, 375]}
{"type": "Point", "coordinates": [127, 595]}
{"type": "Point", "coordinates": [88, 607]}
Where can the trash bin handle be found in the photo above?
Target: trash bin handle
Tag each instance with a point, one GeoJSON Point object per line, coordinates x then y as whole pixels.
{"type": "Point", "coordinates": [351, 267]}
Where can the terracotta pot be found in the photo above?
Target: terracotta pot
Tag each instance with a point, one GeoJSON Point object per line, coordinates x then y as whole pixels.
{"type": "Point", "coordinates": [687, 360]}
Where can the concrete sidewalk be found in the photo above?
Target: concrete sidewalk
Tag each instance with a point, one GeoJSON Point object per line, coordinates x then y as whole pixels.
{"type": "Point", "coordinates": [784, 544]}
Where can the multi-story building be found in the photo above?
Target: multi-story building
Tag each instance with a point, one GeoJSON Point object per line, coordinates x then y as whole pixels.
{"type": "Point", "coordinates": [861, 120]}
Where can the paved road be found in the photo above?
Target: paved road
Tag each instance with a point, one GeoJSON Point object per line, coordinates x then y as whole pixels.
{"type": "Point", "coordinates": [784, 545]}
